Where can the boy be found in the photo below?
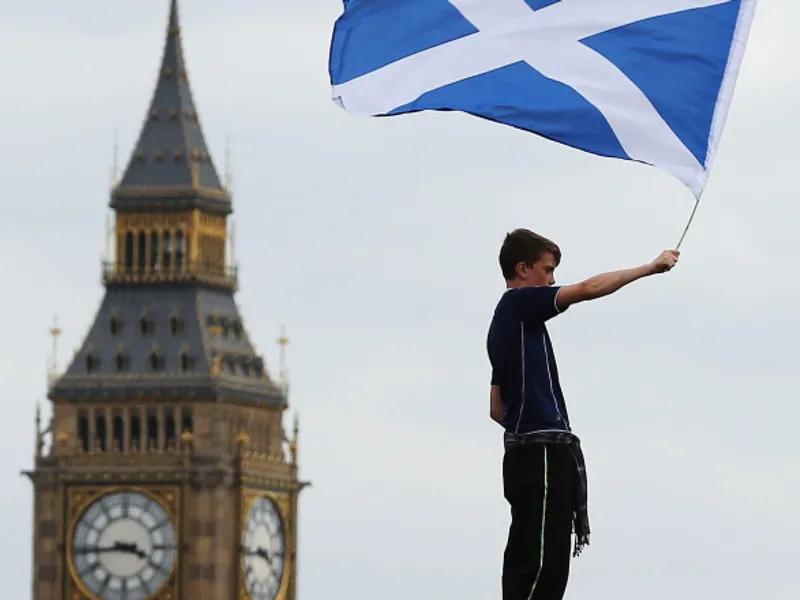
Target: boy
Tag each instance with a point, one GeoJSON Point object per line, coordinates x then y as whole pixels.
{"type": "Point", "coordinates": [544, 477]}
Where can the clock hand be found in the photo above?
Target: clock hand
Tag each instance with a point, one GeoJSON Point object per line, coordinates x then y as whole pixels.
{"type": "Point", "coordinates": [132, 549]}
{"type": "Point", "coordinates": [117, 547]}
{"type": "Point", "coordinates": [260, 552]}
{"type": "Point", "coordinates": [263, 553]}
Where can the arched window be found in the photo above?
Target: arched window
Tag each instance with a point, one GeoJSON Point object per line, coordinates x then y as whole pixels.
{"type": "Point", "coordinates": [155, 361]}
{"type": "Point", "coordinates": [175, 323]}
{"type": "Point", "coordinates": [205, 252]}
{"type": "Point", "coordinates": [221, 255]}
{"type": "Point", "coordinates": [136, 428]}
{"type": "Point", "coordinates": [121, 361]}
{"type": "Point", "coordinates": [114, 323]}
{"type": "Point", "coordinates": [154, 251]}
{"type": "Point", "coordinates": [167, 250]}
{"type": "Point", "coordinates": [142, 252]}
{"type": "Point", "coordinates": [118, 431]}
{"type": "Point", "coordinates": [100, 430]}
{"type": "Point", "coordinates": [83, 430]}
{"type": "Point", "coordinates": [187, 245]}
{"type": "Point", "coordinates": [120, 256]}
{"type": "Point", "coordinates": [92, 361]}
{"type": "Point", "coordinates": [179, 251]}
{"type": "Point", "coordinates": [152, 428]}
{"type": "Point", "coordinates": [187, 423]}
{"type": "Point", "coordinates": [186, 361]}
{"type": "Point", "coordinates": [128, 252]}
{"type": "Point", "coordinates": [146, 324]}
{"type": "Point", "coordinates": [169, 426]}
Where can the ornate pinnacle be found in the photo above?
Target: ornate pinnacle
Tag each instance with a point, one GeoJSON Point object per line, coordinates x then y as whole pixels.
{"type": "Point", "coordinates": [39, 437]}
{"type": "Point", "coordinates": [293, 443]}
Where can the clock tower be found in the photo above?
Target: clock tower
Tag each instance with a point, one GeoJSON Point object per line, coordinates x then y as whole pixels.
{"type": "Point", "coordinates": [169, 475]}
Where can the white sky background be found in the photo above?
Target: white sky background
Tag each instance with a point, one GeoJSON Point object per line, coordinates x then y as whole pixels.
{"type": "Point", "coordinates": [375, 242]}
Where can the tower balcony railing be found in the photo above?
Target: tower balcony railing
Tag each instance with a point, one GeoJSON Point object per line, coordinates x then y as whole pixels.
{"type": "Point", "coordinates": [226, 277]}
{"type": "Point", "coordinates": [77, 452]}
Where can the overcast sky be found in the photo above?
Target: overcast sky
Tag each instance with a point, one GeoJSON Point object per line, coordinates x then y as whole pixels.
{"type": "Point", "coordinates": [375, 242]}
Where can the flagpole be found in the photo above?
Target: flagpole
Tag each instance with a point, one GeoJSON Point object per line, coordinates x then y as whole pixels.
{"type": "Point", "coordinates": [691, 218]}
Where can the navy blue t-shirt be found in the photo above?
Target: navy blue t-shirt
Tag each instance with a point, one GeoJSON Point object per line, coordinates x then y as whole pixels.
{"type": "Point", "coordinates": [523, 364]}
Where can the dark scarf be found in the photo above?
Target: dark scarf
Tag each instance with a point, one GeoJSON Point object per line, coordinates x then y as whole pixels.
{"type": "Point", "coordinates": [581, 502]}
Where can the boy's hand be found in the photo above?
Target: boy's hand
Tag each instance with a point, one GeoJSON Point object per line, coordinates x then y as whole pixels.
{"type": "Point", "coordinates": [665, 261]}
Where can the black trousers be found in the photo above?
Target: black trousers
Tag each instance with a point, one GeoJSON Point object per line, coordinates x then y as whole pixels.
{"type": "Point", "coordinates": [539, 483]}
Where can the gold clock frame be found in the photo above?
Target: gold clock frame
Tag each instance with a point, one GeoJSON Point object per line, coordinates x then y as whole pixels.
{"type": "Point", "coordinates": [249, 497]}
{"type": "Point", "coordinates": [78, 502]}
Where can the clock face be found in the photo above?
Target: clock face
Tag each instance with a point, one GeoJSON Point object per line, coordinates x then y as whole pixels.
{"type": "Point", "coordinates": [124, 547]}
{"type": "Point", "coordinates": [263, 549]}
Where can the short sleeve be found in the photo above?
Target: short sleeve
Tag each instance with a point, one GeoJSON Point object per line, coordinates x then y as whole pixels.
{"type": "Point", "coordinates": [537, 304]}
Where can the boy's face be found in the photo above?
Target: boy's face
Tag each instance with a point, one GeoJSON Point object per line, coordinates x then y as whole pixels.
{"type": "Point", "coordinates": [540, 273]}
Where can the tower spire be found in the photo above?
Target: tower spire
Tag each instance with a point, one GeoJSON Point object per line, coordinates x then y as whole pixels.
{"type": "Point", "coordinates": [171, 166]}
{"type": "Point", "coordinates": [283, 376]}
{"type": "Point", "coordinates": [55, 331]}
{"type": "Point", "coordinates": [113, 176]}
{"type": "Point", "coordinates": [228, 167]}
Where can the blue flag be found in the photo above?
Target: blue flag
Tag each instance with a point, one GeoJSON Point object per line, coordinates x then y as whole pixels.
{"type": "Point", "coordinates": [642, 80]}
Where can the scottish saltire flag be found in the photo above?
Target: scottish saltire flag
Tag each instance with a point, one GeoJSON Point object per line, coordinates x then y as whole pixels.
{"type": "Point", "coordinates": [642, 80]}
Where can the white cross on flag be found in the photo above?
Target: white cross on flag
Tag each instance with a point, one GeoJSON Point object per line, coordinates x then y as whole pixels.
{"type": "Point", "coordinates": [641, 80]}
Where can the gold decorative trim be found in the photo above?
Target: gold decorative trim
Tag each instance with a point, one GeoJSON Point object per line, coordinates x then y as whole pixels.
{"type": "Point", "coordinates": [211, 277]}
{"type": "Point", "coordinates": [171, 191]}
{"type": "Point", "coordinates": [127, 477]}
{"type": "Point", "coordinates": [267, 482]}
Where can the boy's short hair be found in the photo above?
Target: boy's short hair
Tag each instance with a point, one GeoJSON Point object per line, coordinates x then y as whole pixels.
{"type": "Point", "coordinates": [524, 246]}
